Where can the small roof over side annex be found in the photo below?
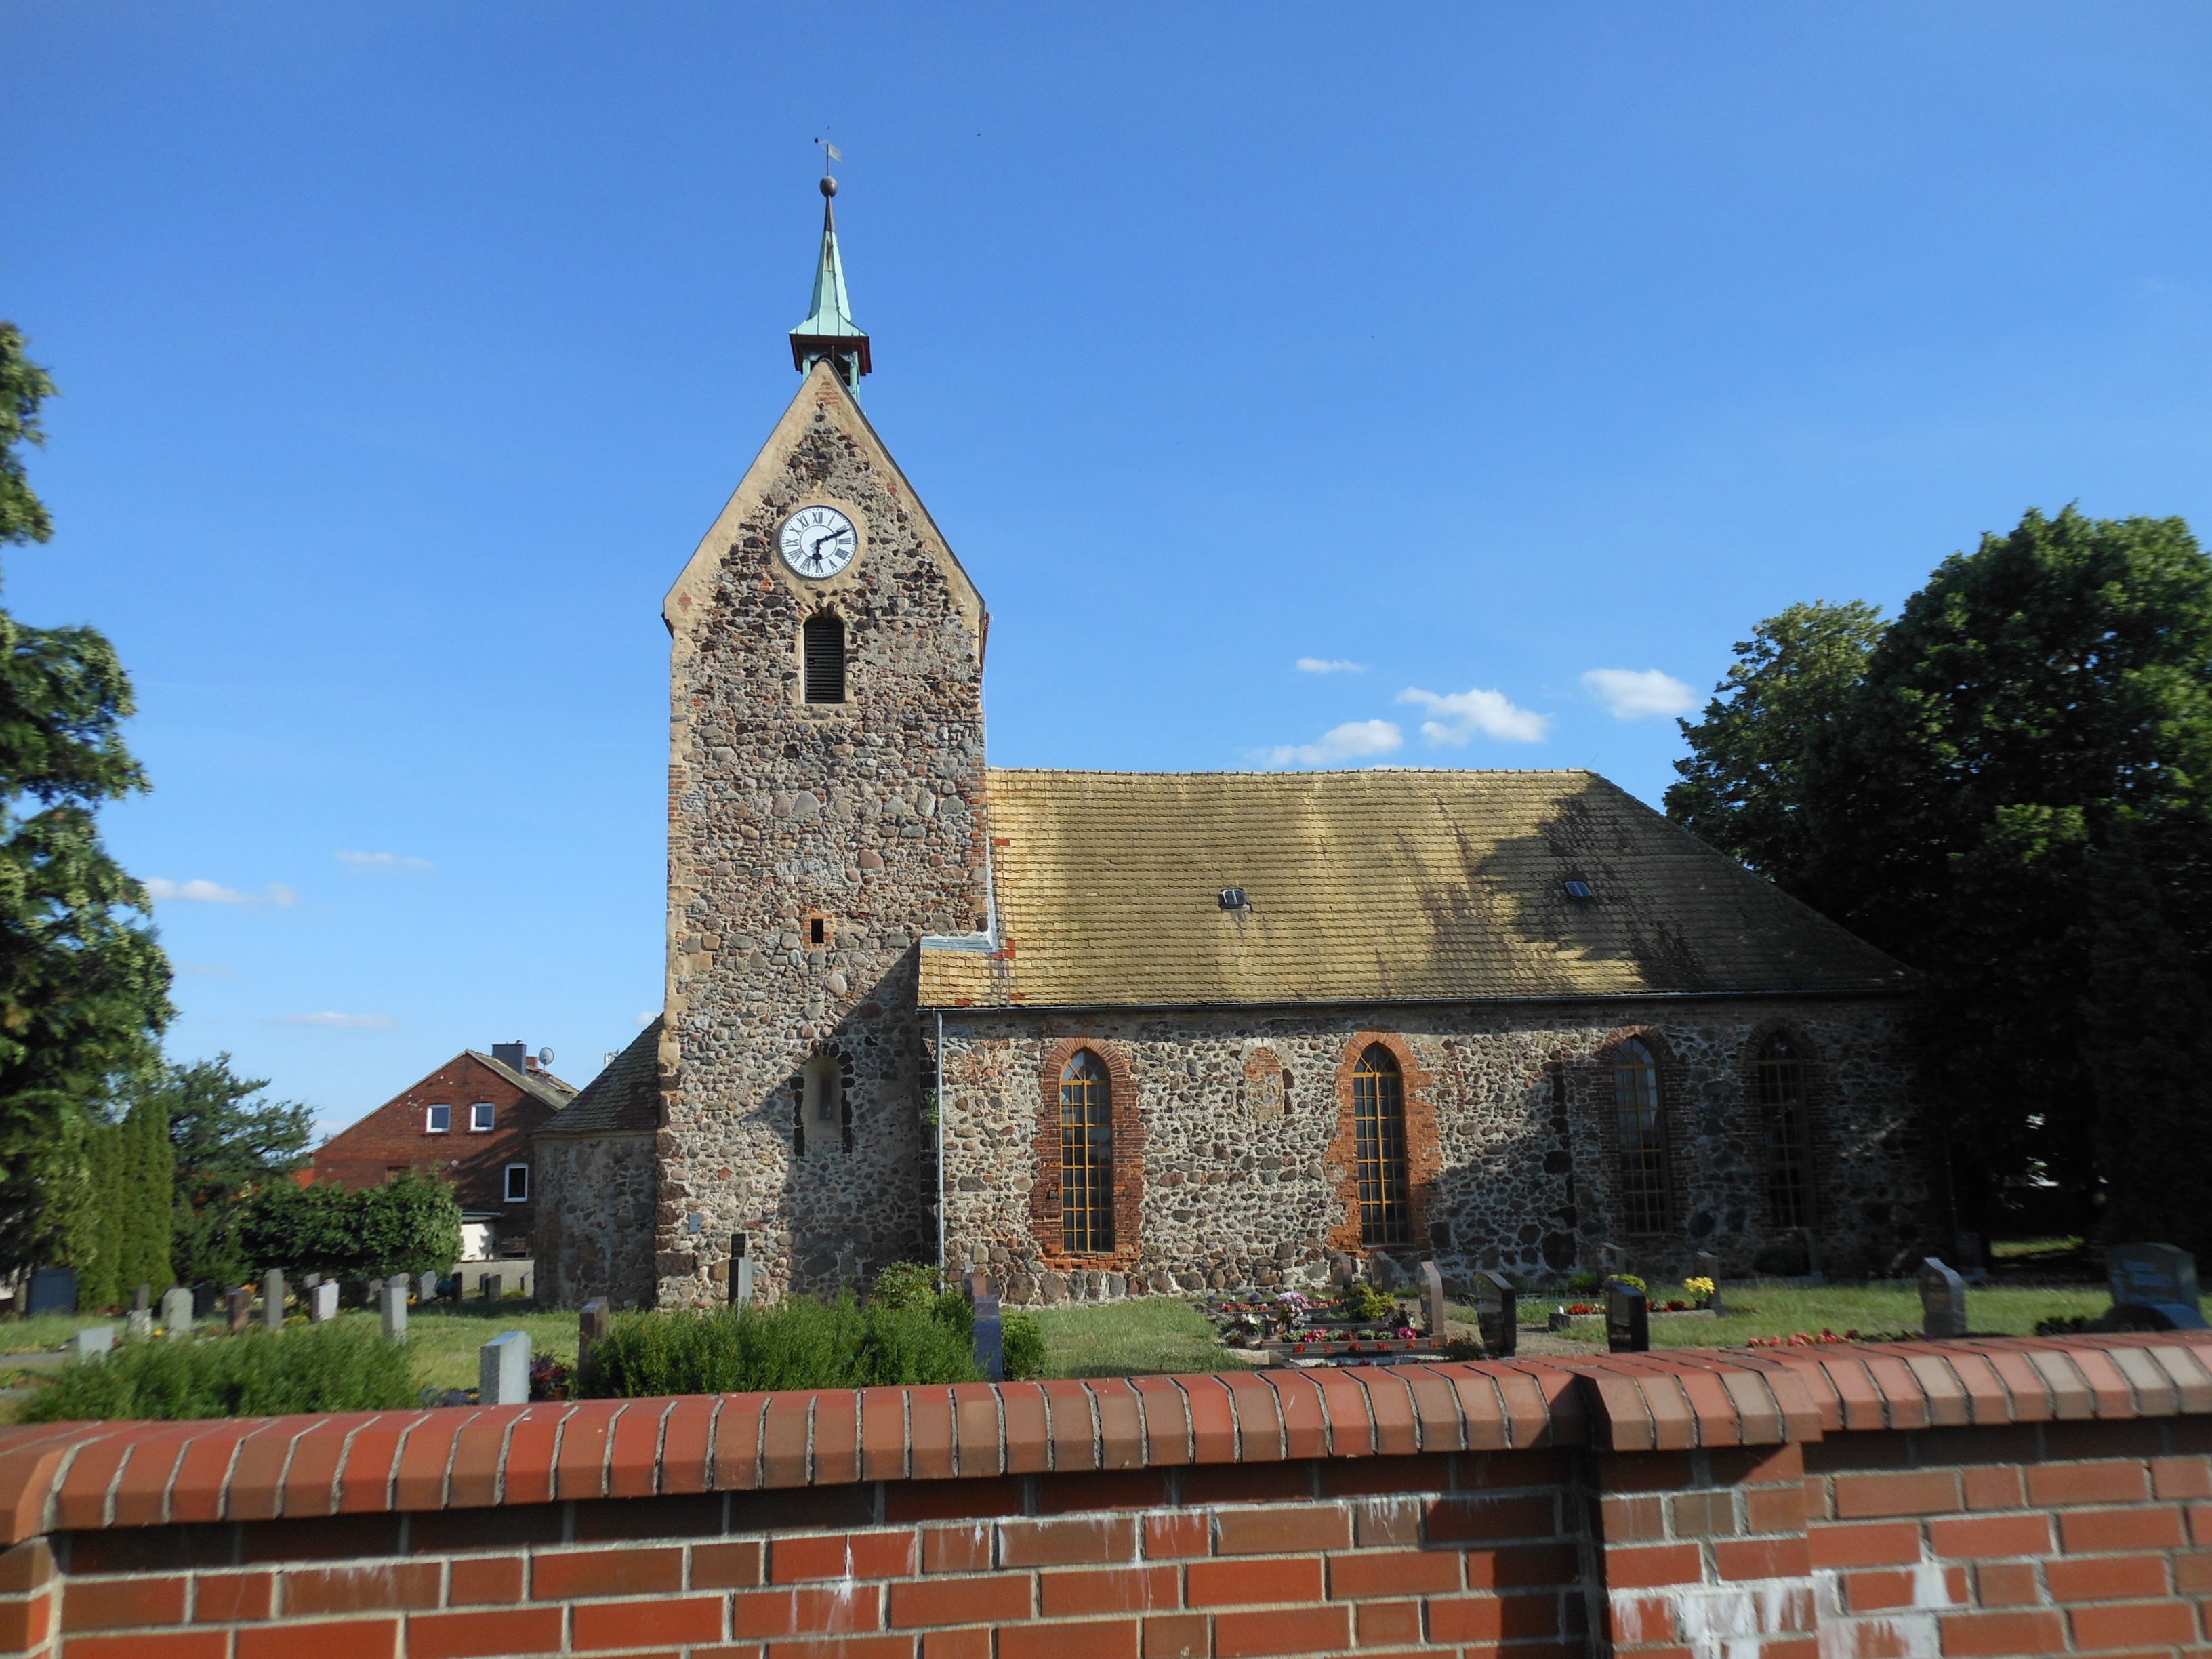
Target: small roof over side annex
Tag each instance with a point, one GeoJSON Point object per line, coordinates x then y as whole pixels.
{"type": "Point", "coordinates": [623, 1099]}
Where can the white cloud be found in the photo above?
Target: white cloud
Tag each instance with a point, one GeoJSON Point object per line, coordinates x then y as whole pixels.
{"type": "Point", "coordinates": [341, 1022]}
{"type": "Point", "coordinates": [201, 891]}
{"type": "Point", "coordinates": [1353, 740]}
{"type": "Point", "coordinates": [1329, 666]}
{"type": "Point", "coordinates": [646, 1018]}
{"type": "Point", "coordinates": [1630, 696]}
{"type": "Point", "coordinates": [382, 862]}
{"type": "Point", "coordinates": [1460, 714]}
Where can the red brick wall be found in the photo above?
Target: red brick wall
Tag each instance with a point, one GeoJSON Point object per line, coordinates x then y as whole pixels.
{"type": "Point", "coordinates": [1984, 1497]}
{"type": "Point", "coordinates": [393, 1136]}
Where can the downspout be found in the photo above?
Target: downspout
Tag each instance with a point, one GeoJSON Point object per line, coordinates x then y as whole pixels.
{"type": "Point", "coordinates": [939, 1104]}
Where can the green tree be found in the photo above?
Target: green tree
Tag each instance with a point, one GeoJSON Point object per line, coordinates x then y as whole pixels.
{"type": "Point", "coordinates": [229, 1138]}
{"type": "Point", "coordinates": [2148, 1020]}
{"type": "Point", "coordinates": [83, 984]}
{"type": "Point", "coordinates": [2039, 697]}
{"type": "Point", "coordinates": [1743, 788]}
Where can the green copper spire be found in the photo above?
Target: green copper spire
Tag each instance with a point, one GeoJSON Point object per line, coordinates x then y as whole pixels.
{"type": "Point", "coordinates": [830, 333]}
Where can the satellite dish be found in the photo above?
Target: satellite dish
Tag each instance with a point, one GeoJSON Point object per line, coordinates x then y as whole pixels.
{"type": "Point", "coordinates": [544, 1056]}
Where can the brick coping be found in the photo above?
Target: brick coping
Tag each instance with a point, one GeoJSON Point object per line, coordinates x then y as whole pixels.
{"type": "Point", "coordinates": [80, 1476]}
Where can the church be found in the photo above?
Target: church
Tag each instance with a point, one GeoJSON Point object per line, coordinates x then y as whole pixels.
{"type": "Point", "coordinates": [1118, 1034]}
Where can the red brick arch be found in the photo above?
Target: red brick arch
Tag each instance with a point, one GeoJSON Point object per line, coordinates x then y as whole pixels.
{"type": "Point", "coordinates": [1423, 1152]}
{"type": "Point", "coordinates": [1128, 1159]}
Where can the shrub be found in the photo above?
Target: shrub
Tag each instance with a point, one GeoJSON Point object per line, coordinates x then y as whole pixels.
{"type": "Point", "coordinates": [1786, 1259]}
{"type": "Point", "coordinates": [1028, 1358]}
{"type": "Point", "coordinates": [410, 1224]}
{"type": "Point", "coordinates": [1630, 1281]}
{"type": "Point", "coordinates": [798, 1344]}
{"type": "Point", "coordinates": [345, 1366]}
{"type": "Point", "coordinates": [1365, 1302]}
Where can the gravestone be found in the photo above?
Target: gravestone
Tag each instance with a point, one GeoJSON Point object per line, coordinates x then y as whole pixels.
{"type": "Point", "coordinates": [2156, 1276]}
{"type": "Point", "coordinates": [1943, 1299]}
{"type": "Point", "coordinates": [53, 1290]}
{"type": "Point", "coordinates": [177, 1311]}
{"type": "Point", "coordinates": [323, 1302]}
{"type": "Point", "coordinates": [1813, 1257]}
{"type": "Point", "coordinates": [1498, 1308]}
{"type": "Point", "coordinates": [1432, 1298]}
{"type": "Point", "coordinates": [990, 1331]}
{"type": "Point", "coordinates": [491, 1287]}
{"type": "Point", "coordinates": [1612, 1259]}
{"type": "Point", "coordinates": [272, 1299]}
{"type": "Point", "coordinates": [392, 1306]}
{"type": "Point", "coordinates": [139, 1321]}
{"type": "Point", "coordinates": [93, 1342]}
{"type": "Point", "coordinates": [1970, 1255]}
{"type": "Point", "coordinates": [591, 1328]}
{"type": "Point", "coordinates": [741, 1273]}
{"type": "Point", "coordinates": [426, 1289]}
{"type": "Point", "coordinates": [1627, 1319]}
{"type": "Point", "coordinates": [141, 1300]}
{"type": "Point", "coordinates": [503, 1370]}
{"type": "Point", "coordinates": [206, 1298]}
{"type": "Point", "coordinates": [242, 1309]}
{"type": "Point", "coordinates": [1709, 1267]}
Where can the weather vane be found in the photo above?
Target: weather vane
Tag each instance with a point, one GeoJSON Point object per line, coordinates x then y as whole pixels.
{"type": "Point", "coordinates": [830, 156]}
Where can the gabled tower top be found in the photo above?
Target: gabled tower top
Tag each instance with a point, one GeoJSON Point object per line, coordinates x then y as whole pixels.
{"type": "Point", "coordinates": [829, 334]}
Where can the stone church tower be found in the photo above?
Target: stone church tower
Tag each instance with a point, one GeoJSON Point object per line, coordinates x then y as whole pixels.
{"type": "Point", "coordinates": [826, 800]}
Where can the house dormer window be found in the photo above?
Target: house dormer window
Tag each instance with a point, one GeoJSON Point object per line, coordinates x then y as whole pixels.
{"type": "Point", "coordinates": [438, 1121]}
{"type": "Point", "coordinates": [481, 1117]}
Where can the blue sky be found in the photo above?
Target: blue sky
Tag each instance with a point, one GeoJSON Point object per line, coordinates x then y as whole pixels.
{"type": "Point", "coordinates": [407, 349]}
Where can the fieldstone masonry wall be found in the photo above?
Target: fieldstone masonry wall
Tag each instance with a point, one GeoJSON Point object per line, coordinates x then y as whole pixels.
{"type": "Point", "coordinates": [599, 1194]}
{"type": "Point", "coordinates": [866, 816]}
{"type": "Point", "coordinates": [1245, 1184]}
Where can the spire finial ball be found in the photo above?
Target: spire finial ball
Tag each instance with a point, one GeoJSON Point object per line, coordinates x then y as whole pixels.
{"type": "Point", "coordinates": [829, 185]}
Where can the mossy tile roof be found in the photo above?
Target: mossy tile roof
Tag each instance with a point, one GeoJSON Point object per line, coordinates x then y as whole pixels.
{"type": "Point", "coordinates": [1393, 885]}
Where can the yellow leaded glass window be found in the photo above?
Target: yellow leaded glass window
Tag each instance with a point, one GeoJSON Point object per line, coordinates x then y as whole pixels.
{"type": "Point", "coordinates": [1378, 1112]}
{"type": "Point", "coordinates": [1643, 1139]}
{"type": "Point", "coordinates": [1087, 1155]}
{"type": "Point", "coordinates": [1789, 1148]}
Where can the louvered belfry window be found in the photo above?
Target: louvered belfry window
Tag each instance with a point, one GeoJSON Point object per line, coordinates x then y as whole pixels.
{"type": "Point", "coordinates": [1378, 1115]}
{"type": "Point", "coordinates": [1789, 1146]}
{"type": "Point", "coordinates": [825, 639]}
{"type": "Point", "coordinates": [1643, 1139]}
{"type": "Point", "coordinates": [1086, 1155]}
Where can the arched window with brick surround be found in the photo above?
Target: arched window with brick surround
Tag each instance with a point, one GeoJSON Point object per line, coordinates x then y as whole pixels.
{"type": "Point", "coordinates": [1785, 1130]}
{"type": "Point", "coordinates": [1642, 1132]}
{"type": "Point", "coordinates": [1378, 1109]}
{"type": "Point", "coordinates": [1087, 1155]}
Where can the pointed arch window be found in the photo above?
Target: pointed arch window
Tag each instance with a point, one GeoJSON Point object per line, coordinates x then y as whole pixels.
{"type": "Point", "coordinates": [823, 638]}
{"type": "Point", "coordinates": [1642, 1138]}
{"type": "Point", "coordinates": [1378, 1115]}
{"type": "Point", "coordinates": [1783, 1122]}
{"type": "Point", "coordinates": [1087, 1155]}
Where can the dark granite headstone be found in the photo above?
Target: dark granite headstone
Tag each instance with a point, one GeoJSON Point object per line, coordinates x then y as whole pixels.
{"type": "Point", "coordinates": [990, 1331]}
{"type": "Point", "coordinates": [206, 1298]}
{"type": "Point", "coordinates": [242, 1309]}
{"type": "Point", "coordinates": [2157, 1276]}
{"type": "Point", "coordinates": [1498, 1307]}
{"type": "Point", "coordinates": [1709, 1267]}
{"type": "Point", "coordinates": [53, 1290]}
{"type": "Point", "coordinates": [1627, 1319]}
{"type": "Point", "coordinates": [1943, 1299]}
{"type": "Point", "coordinates": [1432, 1298]}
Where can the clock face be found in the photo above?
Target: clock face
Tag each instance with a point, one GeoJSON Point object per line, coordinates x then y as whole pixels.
{"type": "Point", "coordinates": [817, 541]}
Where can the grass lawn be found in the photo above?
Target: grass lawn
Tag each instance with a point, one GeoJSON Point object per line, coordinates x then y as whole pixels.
{"type": "Point", "coordinates": [1873, 1309]}
{"type": "Point", "coordinates": [1129, 1338]}
{"type": "Point", "coordinates": [443, 1339]}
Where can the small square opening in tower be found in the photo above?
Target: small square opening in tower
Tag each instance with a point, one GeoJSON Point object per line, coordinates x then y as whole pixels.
{"type": "Point", "coordinates": [817, 932]}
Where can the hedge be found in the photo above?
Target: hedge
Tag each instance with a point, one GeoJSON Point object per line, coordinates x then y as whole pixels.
{"type": "Point", "coordinates": [347, 1365]}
